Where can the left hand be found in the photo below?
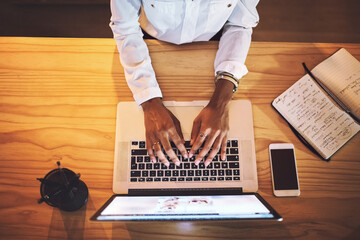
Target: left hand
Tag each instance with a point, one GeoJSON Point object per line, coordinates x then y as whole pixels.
{"type": "Point", "coordinates": [211, 126]}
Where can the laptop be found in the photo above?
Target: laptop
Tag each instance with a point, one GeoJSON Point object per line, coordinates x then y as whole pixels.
{"type": "Point", "coordinates": [151, 191]}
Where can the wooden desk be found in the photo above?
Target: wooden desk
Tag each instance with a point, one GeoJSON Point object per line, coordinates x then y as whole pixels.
{"type": "Point", "coordinates": [58, 101]}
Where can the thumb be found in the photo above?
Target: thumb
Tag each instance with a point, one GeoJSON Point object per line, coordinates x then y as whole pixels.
{"type": "Point", "coordinates": [178, 130]}
{"type": "Point", "coordinates": [177, 125]}
{"type": "Point", "coordinates": [195, 130]}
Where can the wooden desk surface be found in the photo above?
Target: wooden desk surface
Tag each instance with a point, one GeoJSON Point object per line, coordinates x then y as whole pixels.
{"type": "Point", "coordinates": [58, 102]}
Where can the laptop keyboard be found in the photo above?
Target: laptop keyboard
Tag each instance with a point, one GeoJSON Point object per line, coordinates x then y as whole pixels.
{"type": "Point", "coordinates": [144, 170]}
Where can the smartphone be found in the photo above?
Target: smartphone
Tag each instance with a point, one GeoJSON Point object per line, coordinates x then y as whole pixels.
{"type": "Point", "coordinates": [283, 170]}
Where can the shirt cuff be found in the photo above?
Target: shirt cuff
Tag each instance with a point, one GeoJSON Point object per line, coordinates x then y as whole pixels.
{"type": "Point", "coordinates": [235, 68]}
{"type": "Point", "coordinates": [147, 94]}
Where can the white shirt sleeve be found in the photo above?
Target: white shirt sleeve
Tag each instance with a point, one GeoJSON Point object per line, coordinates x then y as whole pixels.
{"type": "Point", "coordinates": [236, 38]}
{"type": "Point", "coordinates": [134, 53]}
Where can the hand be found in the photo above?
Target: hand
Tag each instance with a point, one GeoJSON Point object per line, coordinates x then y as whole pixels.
{"type": "Point", "coordinates": [161, 126]}
{"type": "Point", "coordinates": [212, 125]}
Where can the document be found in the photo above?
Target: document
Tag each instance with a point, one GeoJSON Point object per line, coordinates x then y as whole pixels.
{"type": "Point", "coordinates": [313, 114]}
{"type": "Point", "coordinates": [324, 105]}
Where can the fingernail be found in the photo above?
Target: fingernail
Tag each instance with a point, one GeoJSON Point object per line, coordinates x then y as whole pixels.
{"type": "Point", "coordinates": [190, 155]}
{"type": "Point", "coordinates": [197, 161]}
{"type": "Point", "coordinates": [177, 163]}
{"type": "Point", "coordinates": [207, 163]}
{"type": "Point", "coordinates": [167, 164]}
{"type": "Point", "coordinates": [186, 155]}
{"type": "Point", "coordinates": [153, 160]}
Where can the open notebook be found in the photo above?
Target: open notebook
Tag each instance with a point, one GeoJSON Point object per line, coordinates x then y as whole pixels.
{"type": "Point", "coordinates": [324, 105]}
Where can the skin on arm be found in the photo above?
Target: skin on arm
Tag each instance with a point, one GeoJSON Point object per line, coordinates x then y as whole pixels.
{"type": "Point", "coordinates": [212, 125]}
{"type": "Point", "coordinates": [161, 126]}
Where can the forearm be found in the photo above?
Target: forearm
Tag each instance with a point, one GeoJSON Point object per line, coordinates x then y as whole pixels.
{"type": "Point", "coordinates": [233, 49]}
{"type": "Point", "coordinates": [138, 70]}
{"type": "Point", "coordinates": [231, 55]}
{"type": "Point", "coordinates": [236, 38]}
{"type": "Point", "coordinates": [134, 53]}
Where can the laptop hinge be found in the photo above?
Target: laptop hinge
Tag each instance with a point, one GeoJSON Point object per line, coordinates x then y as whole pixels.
{"type": "Point", "coordinates": [184, 191]}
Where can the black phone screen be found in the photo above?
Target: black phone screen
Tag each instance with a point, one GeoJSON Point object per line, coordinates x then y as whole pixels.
{"type": "Point", "coordinates": [284, 169]}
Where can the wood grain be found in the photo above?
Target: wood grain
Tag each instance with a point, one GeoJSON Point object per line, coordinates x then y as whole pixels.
{"type": "Point", "coordinates": [58, 102]}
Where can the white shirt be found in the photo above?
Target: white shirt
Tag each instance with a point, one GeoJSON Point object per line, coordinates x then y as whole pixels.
{"type": "Point", "coordinates": [178, 22]}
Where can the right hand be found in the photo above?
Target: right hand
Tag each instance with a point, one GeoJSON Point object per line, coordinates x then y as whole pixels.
{"type": "Point", "coordinates": [161, 126]}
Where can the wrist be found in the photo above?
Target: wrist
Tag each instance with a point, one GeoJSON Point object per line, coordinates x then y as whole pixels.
{"type": "Point", "coordinates": [222, 95]}
{"type": "Point", "coordinates": [226, 76]}
{"type": "Point", "coordinates": [151, 103]}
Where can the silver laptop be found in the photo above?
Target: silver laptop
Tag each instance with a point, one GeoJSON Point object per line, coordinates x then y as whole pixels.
{"type": "Point", "coordinates": [151, 191]}
{"type": "Point", "coordinates": [135, 174]}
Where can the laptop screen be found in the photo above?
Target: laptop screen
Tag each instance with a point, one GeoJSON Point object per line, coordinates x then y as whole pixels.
{"type": "Point", "coordinates": [247, 206]}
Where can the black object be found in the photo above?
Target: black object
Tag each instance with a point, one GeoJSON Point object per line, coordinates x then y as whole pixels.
{"type": "Point", "coordinates": [62, 188]}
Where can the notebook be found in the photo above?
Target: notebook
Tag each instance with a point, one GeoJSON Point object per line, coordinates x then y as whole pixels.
{"type": "Point", "coordinates": [325, 120]}
{"type": "Point", "coordinates": [135, 173]}
{"type": "Point", "coordinates": [222, 190]}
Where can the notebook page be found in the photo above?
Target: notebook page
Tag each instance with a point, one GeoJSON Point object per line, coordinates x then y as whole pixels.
{"type": "Point", "coordinates": [341, 74]}
{"type": "Point", "coordinates": [310, 111]}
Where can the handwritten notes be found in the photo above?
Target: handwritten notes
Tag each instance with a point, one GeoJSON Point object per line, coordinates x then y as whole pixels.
{"type": "Point", "coordinates": [353, 85]}
{"type": "Point", "coordinates": [310, 111]}
{"type": "Point", "coordinates": [341, 74]}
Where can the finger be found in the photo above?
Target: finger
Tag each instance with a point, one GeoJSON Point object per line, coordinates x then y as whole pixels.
{"type": "Point", "coordinates": [195, 131]}
{"type": "Point", "coordinates": [177, 126]}
{"type": "Point", "coordinates": [223, 148]}
{"type": "Point", "coordinates": [160, 154]}
{"type": "Point", "coordinates": [169, 151]}
{"type": "Point", "coordinates": [198, 142]}
{"type": "Point", "coordinates": [179, 132]}
{"type": "Point", "coordinates": [179, 142]}
{"type": "Point", "coordinates": [214, 151]}
{"type": "Point", "coordinates": [149, 147]}
{"type": "Point", "coordinates": [207, 146]}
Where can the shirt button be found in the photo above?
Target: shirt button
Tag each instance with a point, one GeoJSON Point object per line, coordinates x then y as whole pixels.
{"type": "Point", "coordinates": [229, 5]}
{"type": "Point", "coordinates": [153, 5]}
